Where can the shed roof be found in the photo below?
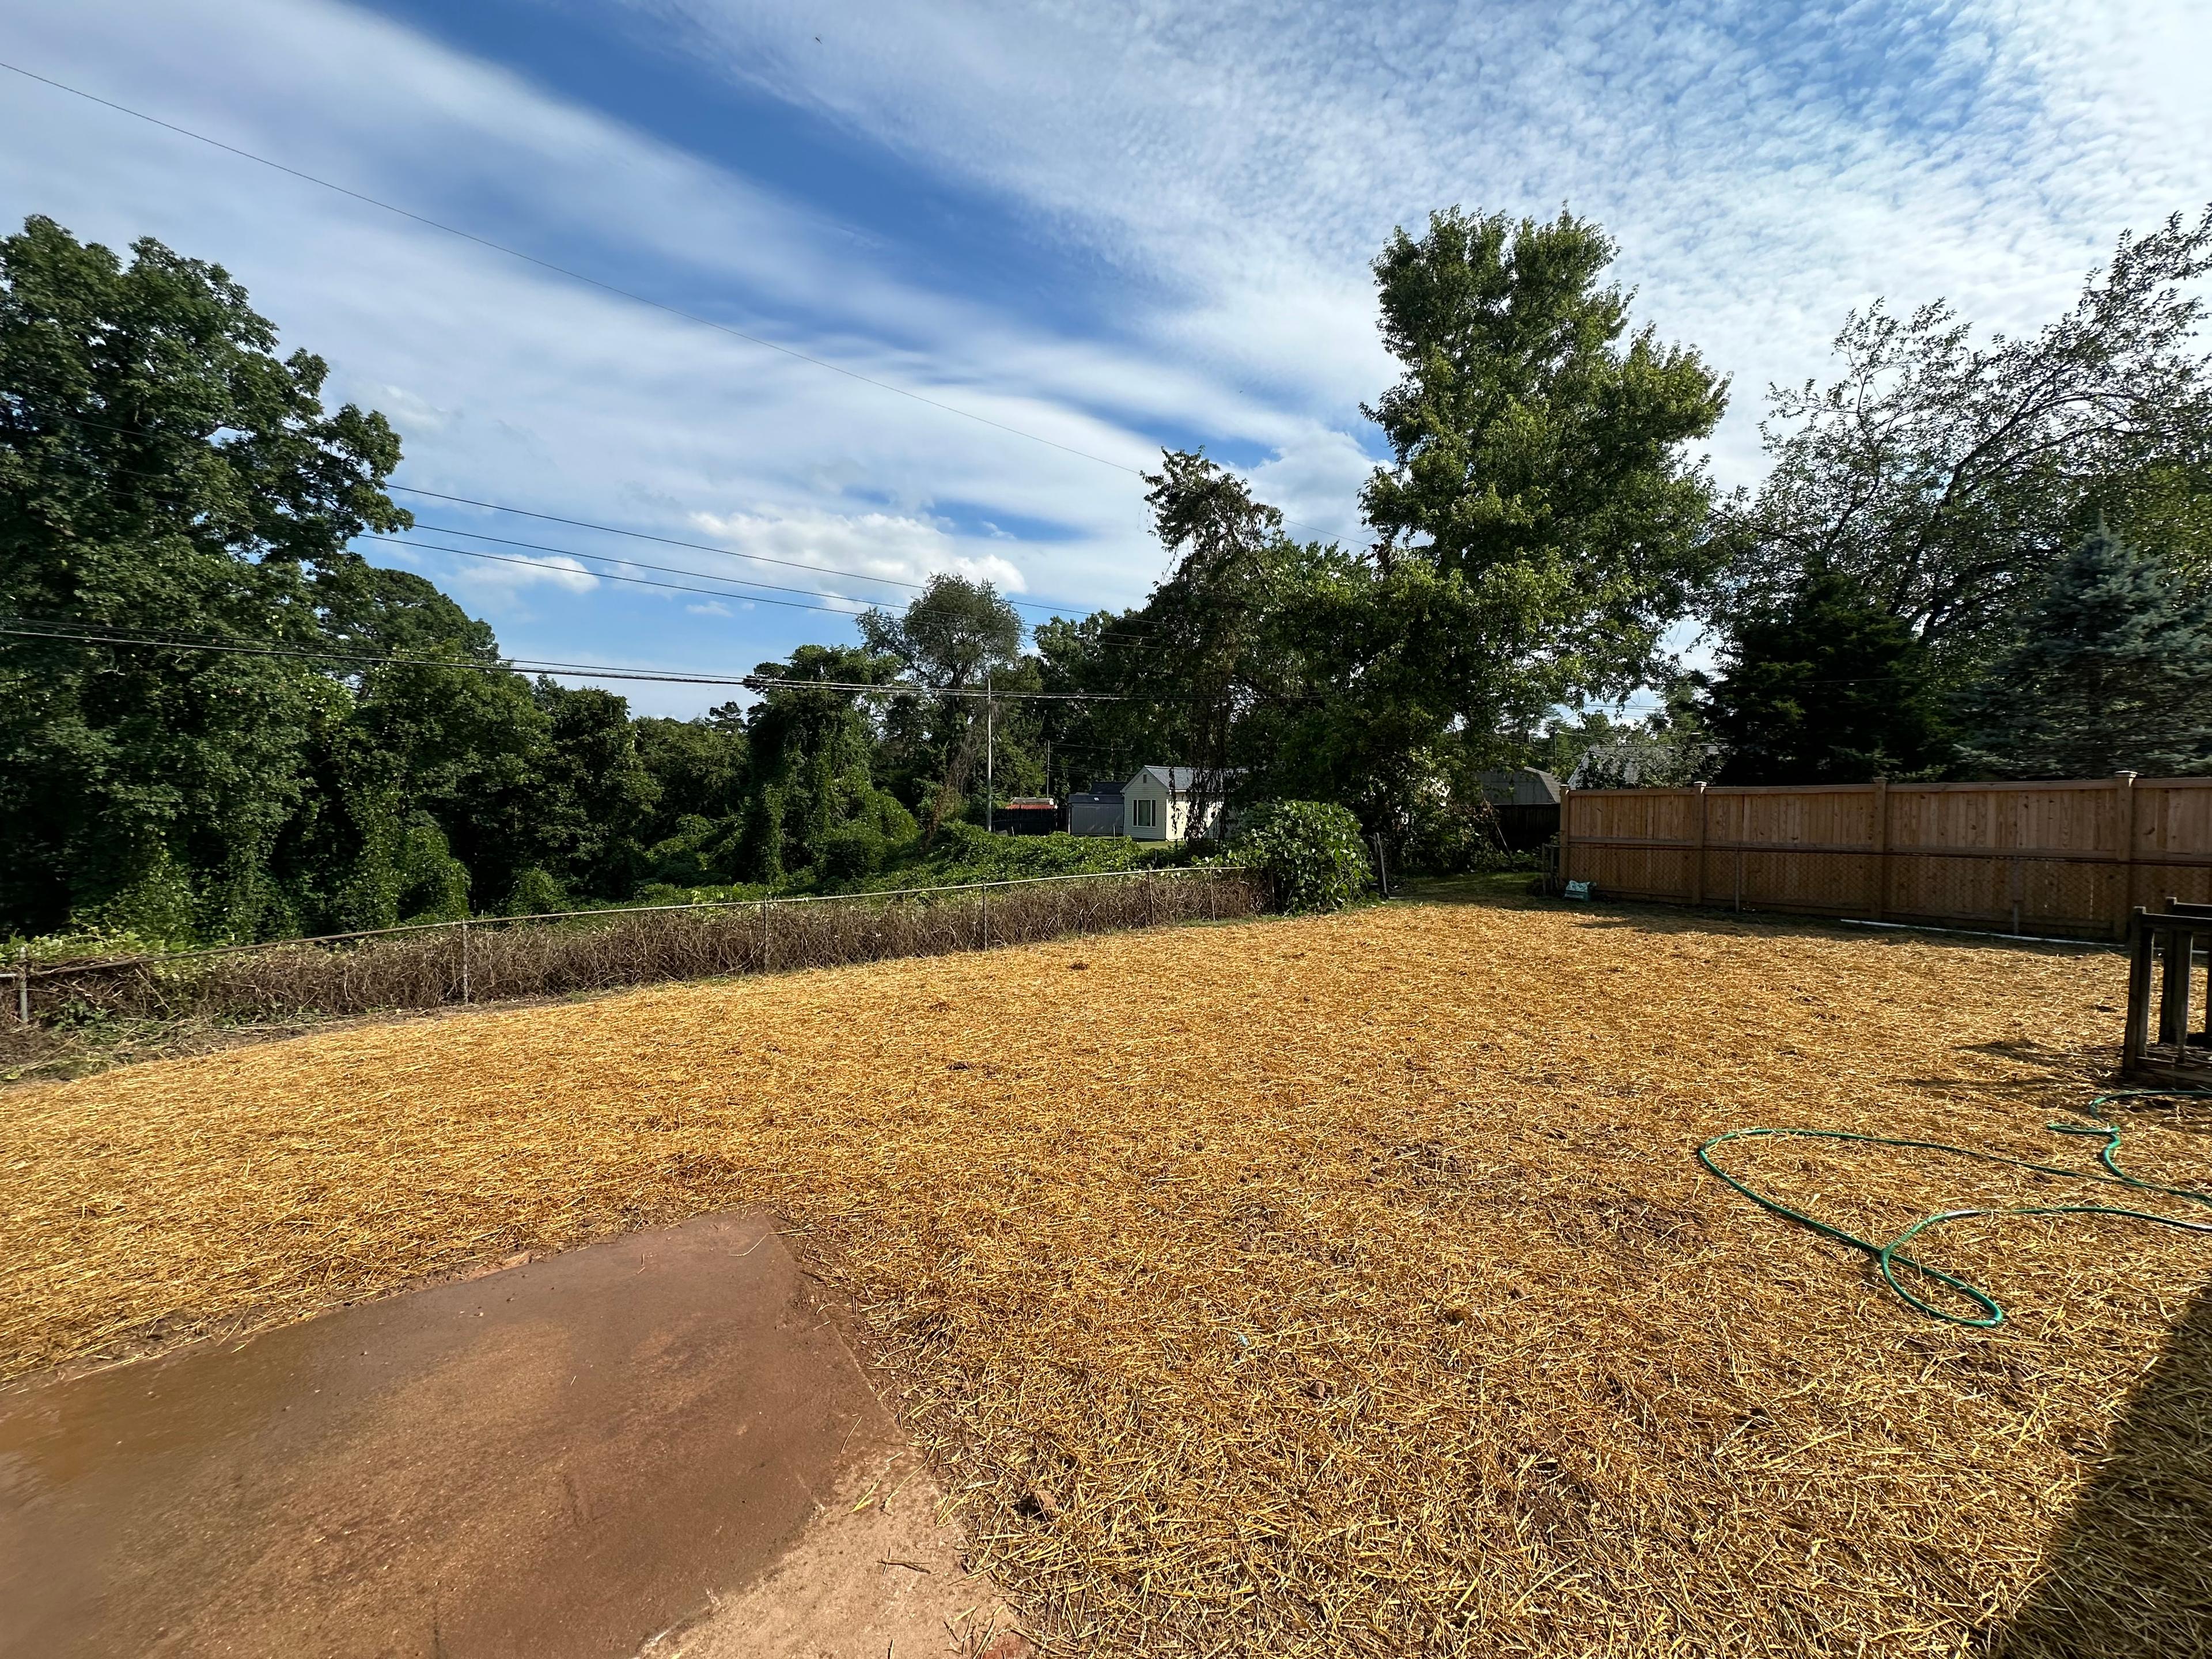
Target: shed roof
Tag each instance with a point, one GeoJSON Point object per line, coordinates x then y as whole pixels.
{"type": "Point", "coordinates": [1180, 780]}
{"type": "Point", "coordinates": [1522, 786]}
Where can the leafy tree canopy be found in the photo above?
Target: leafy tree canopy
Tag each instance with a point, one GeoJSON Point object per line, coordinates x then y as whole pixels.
{"type": "Point", "coordinates": [162, 470]}
{"type": "Point", "coordinates": [1945, 477]}
{"type": "Point", "coordinates": [1540, 449]}
{"type": "Point", "coordinates": [950, 634]}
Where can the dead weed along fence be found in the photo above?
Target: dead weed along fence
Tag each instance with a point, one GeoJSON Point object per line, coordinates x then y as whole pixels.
{"type": "Point", "coordinates": [430, 965]}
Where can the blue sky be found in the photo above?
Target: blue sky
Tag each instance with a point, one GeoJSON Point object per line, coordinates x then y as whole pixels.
{"type": "Point", "coordinates": [1110, 227]}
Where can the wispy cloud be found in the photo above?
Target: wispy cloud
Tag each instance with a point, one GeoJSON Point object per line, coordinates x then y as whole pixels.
{"type": "Point", "coordinates": [890, 547]}
{"type": "Point", "coordinates": [520, 573]}
{"type": "Point", "coordinates": [1211, 181]}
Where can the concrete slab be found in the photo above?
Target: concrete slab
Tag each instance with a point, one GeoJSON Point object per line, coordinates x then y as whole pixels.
{"type": "Point", "coordinates": [657, 1445]}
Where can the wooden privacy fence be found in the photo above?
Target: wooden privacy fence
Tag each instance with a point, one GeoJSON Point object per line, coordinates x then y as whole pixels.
{"type": "Point", "coordinates": [2069, 860]}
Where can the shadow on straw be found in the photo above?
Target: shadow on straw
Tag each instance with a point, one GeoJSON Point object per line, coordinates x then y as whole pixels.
{"type": "Point", "coordinates": [2130, 1574]}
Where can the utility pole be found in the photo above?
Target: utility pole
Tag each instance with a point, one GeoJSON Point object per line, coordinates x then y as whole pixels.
{"type": "Point", "coordinates": [990, 760]}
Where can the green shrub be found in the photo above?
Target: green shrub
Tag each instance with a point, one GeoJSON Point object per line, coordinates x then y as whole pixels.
{"type": "Point", "coordinates": [538, 892]}
{"type": "Point", "coordinates": [883, 812]}
{"type": "Point", "coordinates": [430, 883]}
{"type": "Point", "coordinates": [1312, 851]}
{"type": "Point", "coordinates": [851, 852]}
{"type": "Point", "coordinates": [158, 906]}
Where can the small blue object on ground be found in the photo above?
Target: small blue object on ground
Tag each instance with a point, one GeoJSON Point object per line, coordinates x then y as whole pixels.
{"type": "Point", "coordinates": [1578, 890]}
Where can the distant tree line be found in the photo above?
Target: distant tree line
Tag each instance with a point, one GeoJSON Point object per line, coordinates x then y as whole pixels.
{"type": "Point", "coordinates": [1989, 560]}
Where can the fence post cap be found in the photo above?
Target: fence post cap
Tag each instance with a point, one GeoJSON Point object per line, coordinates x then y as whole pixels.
{"type": "Point", "coordinates": [2124, 772]}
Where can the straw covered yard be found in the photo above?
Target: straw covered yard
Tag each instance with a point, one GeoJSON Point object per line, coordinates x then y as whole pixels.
{"type": "Point", "coordinates": [1307, 1287]}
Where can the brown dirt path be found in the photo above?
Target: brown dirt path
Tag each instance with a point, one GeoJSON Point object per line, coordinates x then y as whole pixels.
{"type": "Point", "coordinates": [654, 1445]}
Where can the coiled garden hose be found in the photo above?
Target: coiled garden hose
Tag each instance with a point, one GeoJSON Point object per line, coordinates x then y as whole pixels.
{"type": "Point", "coordinates": [1891, 1256]}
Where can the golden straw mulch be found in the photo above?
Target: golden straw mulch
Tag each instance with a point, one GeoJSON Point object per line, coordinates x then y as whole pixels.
{"type": "Point", "coordinates": [1333, 1286]}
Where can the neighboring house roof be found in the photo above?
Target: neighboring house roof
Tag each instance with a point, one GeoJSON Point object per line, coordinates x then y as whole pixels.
{"type": "Point", "coordinates": [1523, 787]}
{"type": "Point", "coordinates": [1104, 792]}
{"type": "Point", "coordinates": [1179, 779]}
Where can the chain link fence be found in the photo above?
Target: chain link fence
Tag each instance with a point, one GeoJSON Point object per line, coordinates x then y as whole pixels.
{"type": "Point", "coordinates": [491, 958]}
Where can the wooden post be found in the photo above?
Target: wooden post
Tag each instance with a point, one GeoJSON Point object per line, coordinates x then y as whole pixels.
{"type": "Point", "coordinates": [464, 961]}
{"type": "Point", "coordinates": [1566, 817]}
{"type": "Point", "coordinates": [985, 893]}
{"type": "Point", "coordinates": [23, 984]}
{"type": "Point", "coordinates": [1697, 858]}
{"type": "Point", "coordinates": [2173, 988]}
{"type": "Point", "coordinates": [2138, 1032]}
{"type": "Point", "coordinates": [1880, 848]}
{"type": "Point", "coordinates": [763, 967]}
{"type": "Point", "coordinates": [1742, 828]}
{"type": "Point", "coordinates": [2124, 782]}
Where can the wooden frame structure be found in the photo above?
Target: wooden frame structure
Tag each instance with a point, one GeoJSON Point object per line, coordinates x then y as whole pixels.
{"type": "Point", "coordinates": [2169, 1036]}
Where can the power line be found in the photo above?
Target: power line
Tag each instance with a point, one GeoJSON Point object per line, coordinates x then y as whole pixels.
{"type": "Point", "coordinates": [628, 564]}
{"type": "Point", "coordinates": [73, 634]}
{"type": "Point", "coordinates": [639, 582]}
{"type": "Point", "coordinates": [767, 683]}
{"type": "Point", "coordinates": [577, 276]}
{"type": "Point", "coordinates": [204, 444]}
{"type": "Point", "coordinates": [565, 271]}
{"type": "Point", "coordinates": [201, 444]}
{"type": "Point", "coordinates": [698, 547]}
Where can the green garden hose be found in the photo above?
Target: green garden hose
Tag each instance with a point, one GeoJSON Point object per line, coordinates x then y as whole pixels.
{"type": "Point", "coordinates": [1890, 1257]}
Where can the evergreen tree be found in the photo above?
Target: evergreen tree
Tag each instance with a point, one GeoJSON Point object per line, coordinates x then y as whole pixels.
{"type": "Point", "coordinates": [2111, 670]}
{"type": "Point", "coordinates": [1826, 687]}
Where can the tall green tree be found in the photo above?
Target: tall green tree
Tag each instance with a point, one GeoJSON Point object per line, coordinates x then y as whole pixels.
{"type": "Point", "coordinates": [811, 750]}
{"type": "Point", "coordinates": [955, 635]}
{"type": "Point", "coordinates": [1824, 686]}
{"type": "Point", "coordinates": [468, 748]}
{"type": "Point", "coordinates": [2110, 670]}
{"type": "Point", "coordinates": [1541, 451]}
{"type": "Point", "coordinates": [594, 797]}
{"type": "Point", "coordinates": [1945, 477]}
{"type": "Point", "coordinates": [162, 471]}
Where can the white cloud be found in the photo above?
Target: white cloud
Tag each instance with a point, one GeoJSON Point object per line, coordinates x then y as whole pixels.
{"type": "Point", "coordinates": [508, 576]}
{"type": "Point", "coordinates": [712, 608]}
{"type": "Point", "coordinates": [1766, 167]}
{"type": "Point", "coordinates": [1233, 168]}
{"type": "Point", "coordinates": [887, 546]}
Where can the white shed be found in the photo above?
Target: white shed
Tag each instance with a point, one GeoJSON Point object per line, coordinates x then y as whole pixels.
{"type": "Point", "coordinates": [1158, 803]}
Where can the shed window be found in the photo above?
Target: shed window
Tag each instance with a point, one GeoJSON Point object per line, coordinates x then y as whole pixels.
{"type": "Point", "coordinates": [1145, 813]}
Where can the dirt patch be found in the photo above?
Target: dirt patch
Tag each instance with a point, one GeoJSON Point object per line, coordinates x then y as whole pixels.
{"type": "Point", "coordinates": [1341, 1286]}
{"type": "Point", "coordinates": [584, 1456]}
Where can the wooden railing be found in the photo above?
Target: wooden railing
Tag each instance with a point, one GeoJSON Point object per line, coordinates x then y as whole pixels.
{"type": "Point", "coordinates": [2071, 860]}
